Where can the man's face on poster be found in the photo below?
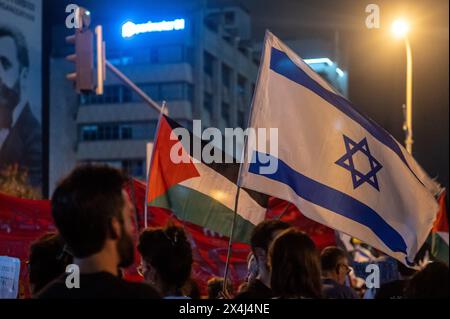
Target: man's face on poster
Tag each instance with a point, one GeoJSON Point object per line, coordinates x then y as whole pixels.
{"type": "Point", "coordinates": [12, 75]}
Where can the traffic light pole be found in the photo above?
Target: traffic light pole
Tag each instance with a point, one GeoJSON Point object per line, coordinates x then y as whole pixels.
{"type": "Point", "coordinates": [133, 86]}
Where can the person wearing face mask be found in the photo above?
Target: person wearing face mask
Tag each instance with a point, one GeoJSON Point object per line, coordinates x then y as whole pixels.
{"type": "Point", "coordinates": [20, 131]}
{"type": "Point", "coordinates": [166, 260]}
{"type": "Point", "coordinates": [92, 213]}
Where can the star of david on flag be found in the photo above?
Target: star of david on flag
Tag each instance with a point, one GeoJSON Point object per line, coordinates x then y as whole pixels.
{"type": "Point", "coordinates": [347, 162]}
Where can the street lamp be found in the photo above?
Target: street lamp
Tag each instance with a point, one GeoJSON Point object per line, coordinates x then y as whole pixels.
{"type": "Point", "coordinates": [400, 29]}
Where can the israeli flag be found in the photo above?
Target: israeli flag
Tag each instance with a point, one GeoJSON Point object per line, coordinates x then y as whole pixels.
{"type": "Point", "coordinates": [338, 167]}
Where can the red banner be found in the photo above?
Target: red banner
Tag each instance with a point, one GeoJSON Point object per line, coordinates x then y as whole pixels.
{"type": "Point", "coordinates": [23, 221]}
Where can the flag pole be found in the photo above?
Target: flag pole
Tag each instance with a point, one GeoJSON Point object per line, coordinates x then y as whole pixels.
{"type": "Point", "coordinates": [243, 158]}
{"type": "Point", "coordinates": [230, 241]}
{"type": "Point", "coordinates": [284, 211]}
{"type": "Point", "coordinates": [161, 113]}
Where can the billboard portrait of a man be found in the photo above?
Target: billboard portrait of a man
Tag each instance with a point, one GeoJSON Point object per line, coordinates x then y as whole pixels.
{"type": "Point", "coordinates": [20, 131]}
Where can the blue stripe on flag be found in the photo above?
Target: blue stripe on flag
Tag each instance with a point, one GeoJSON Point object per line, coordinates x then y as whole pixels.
{"type": "Point", "coordinates": [283, 65]}
{"type": "Point", "coordinates": [331, 199]}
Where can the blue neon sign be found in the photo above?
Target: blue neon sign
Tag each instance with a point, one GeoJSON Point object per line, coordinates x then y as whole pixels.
{"type": "Point", "coordinates": [130, 29]}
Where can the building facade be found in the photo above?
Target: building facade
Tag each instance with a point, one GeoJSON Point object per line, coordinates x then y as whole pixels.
{"type": "Point", "coordinates": [204, 68]}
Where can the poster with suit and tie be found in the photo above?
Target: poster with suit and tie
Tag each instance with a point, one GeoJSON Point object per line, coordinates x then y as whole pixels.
{"type": "Point", "coordinates": [21, 87]}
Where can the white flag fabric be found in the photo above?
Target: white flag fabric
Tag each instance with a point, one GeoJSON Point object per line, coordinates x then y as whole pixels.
{"type": "Point", "coordinates": [338, 167]}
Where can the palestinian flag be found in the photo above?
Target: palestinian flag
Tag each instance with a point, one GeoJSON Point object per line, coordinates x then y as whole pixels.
{"type": "Point", "coordinates": [440, 246]}
{"type": "Point", "coordinates": [199, 192]}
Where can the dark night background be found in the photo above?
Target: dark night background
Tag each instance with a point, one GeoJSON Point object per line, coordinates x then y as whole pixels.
{"type": "Point", "coordinates": [376, 61]}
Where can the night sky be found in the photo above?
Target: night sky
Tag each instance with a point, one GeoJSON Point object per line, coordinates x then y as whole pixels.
{"type": "Point", "coordinates": [376, 61]}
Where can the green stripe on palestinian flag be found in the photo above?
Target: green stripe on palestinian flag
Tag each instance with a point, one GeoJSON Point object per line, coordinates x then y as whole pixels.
{"type": "Point", "coordinates": [199, 192]}
{"type": "Point", "coordinates": [189, 205]}
{"type": "Point", "coordinates": [440, 246]}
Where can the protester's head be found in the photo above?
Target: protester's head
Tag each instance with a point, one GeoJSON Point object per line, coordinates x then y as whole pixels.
{"type": "Point", "coordinates": [166, 258]}
{"type": "Point", "coordinates": [429, 283]}
{"type": "Point", "coordinates": [334, 264]}
{"type": "Point", "coordinates": [93, 214]}
{"type": "Point", "coordinates": [215, 287]}
{"type": "Point", "coordinates": [295, 267]}
{"type": "Point", "coordinates": [14, 65]}
{"type": "Point", "coordinates": [47, 261]}
{"type": "Point", "coordinates": [262, 236]}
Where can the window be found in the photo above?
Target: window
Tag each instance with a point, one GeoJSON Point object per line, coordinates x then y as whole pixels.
{"type": "Point", "coordinates": [126, 132]}
{"type": "Point", "coordinates": [241, 120]}
{"type": "Point", "coordinates": [208, 64]}
{"type": "Point", "coordinates": [89, 132]}
{"type": "Point", "coordinates": [208, 103]}
{"type": "Point", "coordinates": [226, 76]}
{"type": "Point", "coordinates": [226, 113]}
{"type": "Point", "coordinates": [242, 82]}
{"type": "Point", "coordinates": [127, 95]}
{"type": "Point", "coordinates": [113, 94]}
{"type": "Point", "coordinates": [118, 131]}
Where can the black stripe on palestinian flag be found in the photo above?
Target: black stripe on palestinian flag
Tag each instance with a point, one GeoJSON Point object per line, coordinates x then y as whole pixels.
{"type": "Point", "coordinates": [228, 170]}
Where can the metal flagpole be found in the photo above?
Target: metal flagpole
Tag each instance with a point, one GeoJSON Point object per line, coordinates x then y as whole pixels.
{"type": "Point", "coordinates": [284, 211]}
{"type": "Point", "coordinates": [230, 241]}
{"type": "Point", "coordinates": [161, 113]}
{"type": "Point", "coordinates": [243, 159]}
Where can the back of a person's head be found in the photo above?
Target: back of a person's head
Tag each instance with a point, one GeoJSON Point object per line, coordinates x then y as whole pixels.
{"type": "Point", "coordinates": [263, 233]}
{"type": "Point", "coordinates": [83, 205]}
{"type": "Point", "coordinates": [295, 266]}
{"type": "Point", "coordinates": [429, 283]}
{"type": "Point", "coordinates": [47, 261]}
{"type": "Point", "coordinates": [330, 257]}
{"type": "Point", "coordinates": [169, 251]}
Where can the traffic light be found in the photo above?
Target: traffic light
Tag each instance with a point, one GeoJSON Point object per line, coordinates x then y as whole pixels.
{"type": "Point", "coordinates": [88, 77]}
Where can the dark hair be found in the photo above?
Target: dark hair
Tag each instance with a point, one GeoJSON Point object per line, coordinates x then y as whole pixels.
{"type": "Point", "coordinates": [215, 286]}
{"type": "Point", "coordinates": [47, 260]}
{"type": "Point", "coordinates": [295, 267]}
{"type": "Point", "coordinates": [429, 283]}
{"type": "Point", "coordinates": [21, 44]}
{"type": "Point", "coordinates": [83, 205]}
{"type": "Point", "coordinates": [329, 258]}
{"type": "Point", "coordinates": [262, 234]}
{"type": "Point", "coordinates": [169, 252]}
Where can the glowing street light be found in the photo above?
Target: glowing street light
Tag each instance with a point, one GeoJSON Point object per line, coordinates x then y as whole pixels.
{"type": "Point", "coordinates": [400, 29]}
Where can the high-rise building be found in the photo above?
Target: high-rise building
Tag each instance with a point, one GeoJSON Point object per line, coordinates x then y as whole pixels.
{"type": "Point", "coordinates": [201, 62]}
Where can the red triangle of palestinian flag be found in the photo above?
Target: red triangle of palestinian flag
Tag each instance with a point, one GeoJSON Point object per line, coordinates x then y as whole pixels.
{"type": "Point", "coordinates": [165, 173]}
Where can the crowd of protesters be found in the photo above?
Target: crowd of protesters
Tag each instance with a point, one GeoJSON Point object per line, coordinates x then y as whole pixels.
{"type": "Point", "coordinates": [92, 214]}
